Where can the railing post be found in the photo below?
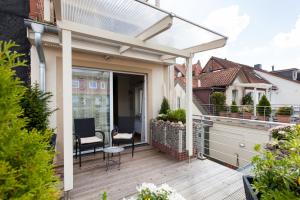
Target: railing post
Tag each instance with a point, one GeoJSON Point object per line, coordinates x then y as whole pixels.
{"type": "Point", "coordinates": [201, 137]}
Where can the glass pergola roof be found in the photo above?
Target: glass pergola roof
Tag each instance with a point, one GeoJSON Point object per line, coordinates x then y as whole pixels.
{"type": "Point", "coordinates": [137, 19]}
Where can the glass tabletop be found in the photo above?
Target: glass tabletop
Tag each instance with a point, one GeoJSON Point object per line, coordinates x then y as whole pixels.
{"type": "Point", "coordinates": [113, 149]}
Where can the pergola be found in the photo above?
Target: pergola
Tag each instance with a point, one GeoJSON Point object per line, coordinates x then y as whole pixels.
{"type": "Point", "coordinates": [127, 28]}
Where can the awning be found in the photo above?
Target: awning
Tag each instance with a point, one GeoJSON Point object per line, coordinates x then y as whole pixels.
{"type": "Point", "coordinates": [134, 25]}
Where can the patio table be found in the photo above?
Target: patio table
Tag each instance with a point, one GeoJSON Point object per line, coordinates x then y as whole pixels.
{"type": "Point", "coordinates": [109, 160]}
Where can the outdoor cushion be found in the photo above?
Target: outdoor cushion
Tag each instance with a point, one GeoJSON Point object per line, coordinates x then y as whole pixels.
{"type": "Point", "coordinates": [123, 136]}
{"type": "Point", "coordinates": [88, 140]}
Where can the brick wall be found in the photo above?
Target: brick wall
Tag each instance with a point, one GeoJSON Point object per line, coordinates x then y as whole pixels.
{"type": "Point", "coordinates": [37, 10]}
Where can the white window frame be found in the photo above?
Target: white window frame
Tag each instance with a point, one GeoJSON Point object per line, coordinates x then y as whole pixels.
{"type": "Point", "coordinates": [102, 85]}
{"type": "Point", "coordinates": [77, 83]}
{"type": "Point", "coordinates": [91, 86]}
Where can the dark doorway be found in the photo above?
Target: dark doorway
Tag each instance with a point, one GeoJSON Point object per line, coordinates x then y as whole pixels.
{"type": "Point", "coordinates": [128, 102]}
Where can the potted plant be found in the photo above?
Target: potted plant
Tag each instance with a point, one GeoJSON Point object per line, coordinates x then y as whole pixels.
{"type": "Point", "coordinates": [247, 108]}
{"type": "Point", "coordinates": [276, 167]}
{"type": "Point", "coordinates": [263, 109]}
{"type": "Point", "coordinates": [234, 110]}
{"type": "Point", "coordinates": [283, 114]}
{"type": "Point", "coordinates": [218, 100]}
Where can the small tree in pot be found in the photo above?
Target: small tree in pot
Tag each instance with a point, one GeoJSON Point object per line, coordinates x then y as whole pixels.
{"type": "Point", "coordinates": [218, 100]}
{"type": "Point", "coordinates": [263, 108]}
{"type": "Point", "coordinates": [247, 108]}
{"type": "Point", "coordinates": [234, 109]}
{"type": "Point", "coordinates": [276, 168]}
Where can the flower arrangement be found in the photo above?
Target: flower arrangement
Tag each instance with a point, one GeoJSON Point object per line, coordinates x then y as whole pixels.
{"type": "Point", "coordinates": [149, 191]}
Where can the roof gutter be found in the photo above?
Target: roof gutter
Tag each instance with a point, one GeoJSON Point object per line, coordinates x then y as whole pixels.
{"type": "Point", "coordinates": [39, 29]}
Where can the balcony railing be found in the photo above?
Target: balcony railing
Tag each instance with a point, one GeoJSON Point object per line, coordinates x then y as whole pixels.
{"type": "Point", "coordinates": [231, 141]}
{"type": "Point", "coordinates": [273, 113]}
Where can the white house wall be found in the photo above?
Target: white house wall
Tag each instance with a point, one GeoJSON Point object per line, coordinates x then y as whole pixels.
{"type": "Point", "coordinates": [288, 92]}
{"type": "Point", "coordinates": [180, 93]}
{"type": "Point", "coordinates": [239, 89]}
{"type": "Point", "coordinates": [156, 75]}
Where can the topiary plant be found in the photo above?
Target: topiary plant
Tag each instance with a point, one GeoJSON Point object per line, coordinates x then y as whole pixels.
{"type": "Point", "coordinates": [165, 107]}
{"type": "Point", "coordinates": [247, 99]}
{"type": "Point", "coordinates": [26, 171]}
{"type": "Point", "coordinates": [234, 108]}
{"type": "Point", "coordinates": [218, 100]}
{"type": "Point", "coordinates": [264, 107]}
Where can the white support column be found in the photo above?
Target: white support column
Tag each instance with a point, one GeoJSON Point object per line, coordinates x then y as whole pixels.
{"type": "Point", "coordinates": [67, 109]}
{"type": "Point", "coordinates": [189, 108]}
{"type": "Point", "coordinates": [254, 101]}
{"type": "Point", "coordinates": [171, 86]}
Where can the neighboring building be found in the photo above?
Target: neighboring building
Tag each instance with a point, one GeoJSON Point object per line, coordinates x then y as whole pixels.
{"type": "Point", "coordinates": [287, 90]}
{"type": "Point", "coordinates": [292, 73]}
{"type": "Point", "coordinates": [234, 79]}
{"type": "Point", "coordinates": [180, 69]}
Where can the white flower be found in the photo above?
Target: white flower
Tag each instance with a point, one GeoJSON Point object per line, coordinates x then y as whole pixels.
{"type": "Point", "coordinates": [166, 188]}
{"type": "Point", "coordinates": [145, 186]}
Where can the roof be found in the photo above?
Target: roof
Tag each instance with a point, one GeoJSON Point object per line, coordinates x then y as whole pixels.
{"type": "Point", "coordinates": [222, 72]}
{"type": "Point", "coordinates": [197, 69]}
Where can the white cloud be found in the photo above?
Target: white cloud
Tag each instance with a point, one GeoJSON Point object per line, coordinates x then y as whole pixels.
{"type": "Point", "coordinates": [289, 39]}
{"type": "Point", "coordinates": [228, 21]}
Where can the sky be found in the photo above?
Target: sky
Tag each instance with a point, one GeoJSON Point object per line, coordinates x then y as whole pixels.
{"type": "Point", "coordinates": [263, 32]}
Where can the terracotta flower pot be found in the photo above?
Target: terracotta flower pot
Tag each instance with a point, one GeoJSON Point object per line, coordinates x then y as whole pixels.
{"type": "Point", "coordinates": [247, 115]}
{"type": "Point", "coordinates": [223, 114]}
{"type": "Point", "coordinates": [262, 118]}
{"type": "Point", "coordinates": [283, 118]}
{"type": "Point", "coordinates": [235, 115]}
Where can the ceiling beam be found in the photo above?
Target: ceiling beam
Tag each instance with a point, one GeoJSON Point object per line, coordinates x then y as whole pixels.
{"type": "Point", "coordinates": [162, 25]}
{"type": "Point", "coordinates": [200, 48]}
{"type": "Point", "coordinates": [121, 39]}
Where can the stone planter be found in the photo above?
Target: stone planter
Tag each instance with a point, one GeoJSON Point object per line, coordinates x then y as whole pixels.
{"type": "Point", "coordinates": [283, 118]}
{"type": "Point", "coordinates": [249, 192]}
{"type": "Point", "coordinates": [170, 138]}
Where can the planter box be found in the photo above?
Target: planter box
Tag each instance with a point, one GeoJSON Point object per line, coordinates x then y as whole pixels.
{"type": "Point", "coordinates": [234, 115]}
{"type": "Point", "coordinates": [223, 114]}
{"type": "Point", "coordinates": [262, 118]}
{"type": "Point", "coordinates": [249, 192]}
{"type": "Point", "coordinates": [283, 118]}
{"type": "Point", "coordinates": [170, 138]}
{"type": "Point", "coordinates": [247, 115]}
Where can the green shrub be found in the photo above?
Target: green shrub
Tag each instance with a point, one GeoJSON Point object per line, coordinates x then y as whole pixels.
{"type": "Point", "coordinates": [264, 107]}
{"type": "Point", "coordinates": [26, 171]}
{"type": "Point", "coordinates": [247, 99]}
{"type": "Point", "coordinates": [178, 115]}
{"type": "Point", "coordinates": [165, 107]}
{"type": "Point", "coordinates": [285, 111]}
{"type": "Point", "coordinates": [234, 108]}
{"type": "Point", "coordinates": [35, 104]}
{"type": "Point", "coordinates": [218, 100]}
{"type": "Point", "coordinates": [276, 168]}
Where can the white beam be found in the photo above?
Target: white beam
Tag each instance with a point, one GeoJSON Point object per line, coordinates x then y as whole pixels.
{"type": "Point", "coordinates": [152, 31]}
{"type": "Point", "coordinates": [255, 101]}
{"type": "Point", "coordinates": [202, 47]}
{"type": "Point", "coordinates": [189, 108]}
{"type": "Point", "coordinates": [67, 109]}
{"type": "Point", "coordinates": [117, 38]}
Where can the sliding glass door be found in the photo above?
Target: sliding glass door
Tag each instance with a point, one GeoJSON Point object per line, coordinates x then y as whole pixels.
{"type": "Point", "coordinates": [91, 97]}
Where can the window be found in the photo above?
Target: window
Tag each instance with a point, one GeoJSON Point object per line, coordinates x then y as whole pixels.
{"type": "Point", "coordinates": [234, 95]}
{"type": "Point", "coordinates": [75, 83]}
{"type": "Point", "coordinates": [102, 85]}
{"type": "Point", "coordinates": [93, 84]}
{"type": "Point", "coordinates": [178, 102]}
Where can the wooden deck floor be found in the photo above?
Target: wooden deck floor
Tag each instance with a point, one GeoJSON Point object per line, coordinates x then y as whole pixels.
{"type": "Point", "coordinates": [197, 180]}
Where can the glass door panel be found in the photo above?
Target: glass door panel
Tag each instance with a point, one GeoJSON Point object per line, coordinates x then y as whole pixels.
{"type": "Point", "coordinates": [91, 97]}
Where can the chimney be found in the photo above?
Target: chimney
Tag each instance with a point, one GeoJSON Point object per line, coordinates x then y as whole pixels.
{"type": "Point", "coordinates": [257, 66]}
{"type": "Point", "coordinates": [273, 68]}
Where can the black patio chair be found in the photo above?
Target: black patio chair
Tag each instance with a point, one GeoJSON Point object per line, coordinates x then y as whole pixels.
{"type": "Point", "coordinates": [86, 138]}
{"type": "Point", "coordinates": [122, 138]}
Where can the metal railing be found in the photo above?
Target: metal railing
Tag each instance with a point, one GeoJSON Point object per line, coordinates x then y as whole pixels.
{"type": "Point", "coordinates": [273, 113]}
{"type": "Point", "coordinates": [231, 144]}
